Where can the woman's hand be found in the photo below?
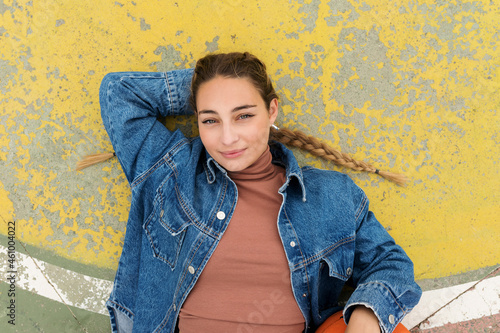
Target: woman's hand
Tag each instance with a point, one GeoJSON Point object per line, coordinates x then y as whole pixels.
{"type": "Point", "coordinates": [363, 320]}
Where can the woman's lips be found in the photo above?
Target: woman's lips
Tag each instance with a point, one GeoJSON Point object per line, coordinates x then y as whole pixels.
{"type": "Point", "coordinates": [232, 153]}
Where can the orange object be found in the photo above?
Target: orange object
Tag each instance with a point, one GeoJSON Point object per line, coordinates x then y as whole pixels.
{"type": "Point", "coordinates": [335, 324]}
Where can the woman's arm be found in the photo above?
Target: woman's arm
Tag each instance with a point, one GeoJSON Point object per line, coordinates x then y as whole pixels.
{"type": "Point", "coordinates": [131, 103]}
{"type": "Point", "coordinates": [382, 273]}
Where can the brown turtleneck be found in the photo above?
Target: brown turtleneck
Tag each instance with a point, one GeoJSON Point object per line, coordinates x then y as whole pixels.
{"type": "Point", "coordinates": [245, 286]}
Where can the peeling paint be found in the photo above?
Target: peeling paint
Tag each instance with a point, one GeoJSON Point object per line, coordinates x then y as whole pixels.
{"type": "Point", "coordinates": [59, 284]}
{"type": "Point", "coordinates": [144, 25]}
{"type": "Point", "coordinates": [213, 46]}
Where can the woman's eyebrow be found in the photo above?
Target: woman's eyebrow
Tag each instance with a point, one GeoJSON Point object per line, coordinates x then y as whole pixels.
{"type": "Point", "coordinates": [206, 111]}
{"type": "Point", "coordinates": [243, 107]}
{"type": "Point", "coordinates": [236, 109]}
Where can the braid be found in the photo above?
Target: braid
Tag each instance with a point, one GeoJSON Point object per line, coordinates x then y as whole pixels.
{"type": "Point", "coordinates": [317, 148]}
{"type": "Point", "coordinates": [93, 159]}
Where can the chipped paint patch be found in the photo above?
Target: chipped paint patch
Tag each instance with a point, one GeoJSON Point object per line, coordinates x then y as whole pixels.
{"type": "Point", "coordinates": [59, 284]}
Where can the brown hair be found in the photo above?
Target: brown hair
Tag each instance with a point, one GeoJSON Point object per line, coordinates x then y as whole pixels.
{"type": "Point", "coordinates": [232, 65]}
{"type": "Point", "coordinates": [246, 65]}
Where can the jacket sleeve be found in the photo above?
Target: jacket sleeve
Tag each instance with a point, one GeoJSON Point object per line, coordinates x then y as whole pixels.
{"type": "Point", "coordinates": [383, 273]}
{"type": "Point", "coordinates": [131, 103]}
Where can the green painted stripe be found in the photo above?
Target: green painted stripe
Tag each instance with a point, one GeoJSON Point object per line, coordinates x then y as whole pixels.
{"type": "Point", "coordinates": [453, 280]}
{"type": "Point", "coordinates": [36, 313]}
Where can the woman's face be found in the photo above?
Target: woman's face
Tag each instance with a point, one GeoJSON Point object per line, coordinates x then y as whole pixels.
{"type": "Point", "coordinates": [233, 121]}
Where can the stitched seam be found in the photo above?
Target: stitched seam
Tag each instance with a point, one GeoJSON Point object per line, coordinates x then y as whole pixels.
{"type": "Point", "coordinates": [324, 252]}
{"type": "Point", "coordinates": [155, 251]}
{"type": "Point", "coordinates": [122, 307]}
{"type": "Point", "coordinates": [185, 208]}
{"type": "Point", "coordinates": [219, 205]}
{"type": "Point", "coordinates": [160, 204]}
{"type": "Point", "coordinates": [183, 277]}
{"type": "Point", "coordinates": [160, 162]}
{"type": "Point", "coordinates": [133, 77]}
{"type": "Point", "coordinates": [390, 292]}
{"type": "Point", "coordinates": [361, 208]}
{"type": "Point", "coordinates": [108, 94]}
{"type": "Point", "coordinates": [178, 145]}
{"type": "Point", "coordinates": [172, 166]}
{"type": "Point", "coordinates": [300, 248]}
{"type": "Point", "coordinates": [334, 273]}
{"type": "Point", "coordinates": [164, 321]}
{"type": "Point", "coordinates": [174, 151]}
{"type": "Point", "coordinates": [169, 91]}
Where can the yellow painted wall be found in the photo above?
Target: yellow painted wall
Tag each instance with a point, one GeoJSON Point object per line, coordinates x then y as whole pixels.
{"type": "Point", "coordinates": [411, 86]}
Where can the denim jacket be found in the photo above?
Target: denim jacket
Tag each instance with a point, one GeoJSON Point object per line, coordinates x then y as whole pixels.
{"type": "Point", "coordinates": [182, 201]}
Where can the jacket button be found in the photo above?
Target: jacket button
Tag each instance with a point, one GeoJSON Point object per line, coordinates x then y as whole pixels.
{"type": "Point", "coordinates": [161, 213]}
{"type": "Point", "coordinates": [348, 271]}
{"type": "Point", "coordinates": [175, 308]}
{"type": "Point", "coordinates": [391, 319]}
{"type": "Point", "coordinates": [292, 244]}
{"type": "Point", "coordinates": [191, 269]}
{"type": "Point", "coordinates": [221, 215]}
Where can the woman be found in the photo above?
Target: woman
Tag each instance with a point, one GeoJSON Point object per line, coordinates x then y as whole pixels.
{"type": "Point", "coordinates": [226, 232]}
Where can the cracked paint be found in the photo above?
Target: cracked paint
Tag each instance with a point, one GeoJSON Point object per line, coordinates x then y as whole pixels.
{"type": "Point", "coordinates": [408, 86]}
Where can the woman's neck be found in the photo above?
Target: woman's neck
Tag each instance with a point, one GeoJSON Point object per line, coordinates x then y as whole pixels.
{"type": "Point", "coordinates": [261, 169]}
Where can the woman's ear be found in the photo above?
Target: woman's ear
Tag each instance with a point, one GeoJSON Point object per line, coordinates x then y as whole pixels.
{"type": "Point", "coordinates": [273, 110]}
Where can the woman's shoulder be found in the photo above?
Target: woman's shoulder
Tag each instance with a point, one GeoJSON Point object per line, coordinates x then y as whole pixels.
{"type": "Point", "coordinates": [329, 176]}
{"type": "Point", "coordinates": [179, 159]}
{"type": "Point", "coordinates": [330, 181]}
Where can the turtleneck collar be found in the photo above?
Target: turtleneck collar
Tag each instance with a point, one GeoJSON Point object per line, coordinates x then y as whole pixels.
{"type": "Point", "coordinates": [261, 169]}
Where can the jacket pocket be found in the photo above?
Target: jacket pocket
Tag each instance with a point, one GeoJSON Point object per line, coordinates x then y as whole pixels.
{"type": "Point", "coordinates": [335, 269]}
{"type": "Point", "coordinates": [166, 227]}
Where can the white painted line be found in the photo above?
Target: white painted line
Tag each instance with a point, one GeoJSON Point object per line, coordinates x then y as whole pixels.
{"type": "Point", "coordinates": [431, 301]}
{"type": "Point", "coordinates": [481, 301]}
{"type": "Point", "coordinates": [90, 293]}
{"type": "Point", "coordinates": [79, 290]}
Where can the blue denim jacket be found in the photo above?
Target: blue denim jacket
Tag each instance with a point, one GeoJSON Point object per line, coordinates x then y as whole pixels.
{"type": "Point", "coordinates": [182, 201]}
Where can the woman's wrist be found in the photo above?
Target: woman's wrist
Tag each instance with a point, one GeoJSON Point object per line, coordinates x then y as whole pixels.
{"type": "Point", "coordinates": [363, 320]}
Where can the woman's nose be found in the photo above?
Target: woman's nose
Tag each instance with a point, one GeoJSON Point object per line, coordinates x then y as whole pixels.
{"type": "Point", "coordinates": [229, 135]}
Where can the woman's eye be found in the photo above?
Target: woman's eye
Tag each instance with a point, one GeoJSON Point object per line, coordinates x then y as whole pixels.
{"type": "Point", "coordinates": [208, 121]}
{"type": "Point", "coordinates": [246, 116]}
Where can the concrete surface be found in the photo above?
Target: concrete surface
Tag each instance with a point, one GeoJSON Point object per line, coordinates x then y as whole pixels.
{"type": "Point", "coordinates": [411, 86]}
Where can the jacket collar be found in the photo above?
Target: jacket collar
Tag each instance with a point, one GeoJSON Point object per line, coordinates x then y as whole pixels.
{"type": "Point", "coordinates": [284, 157]}
{"type": "Point", "coordinates": [281, 156]}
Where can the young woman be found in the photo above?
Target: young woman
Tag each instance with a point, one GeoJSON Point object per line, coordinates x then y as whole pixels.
{"type": "Point", "coordinates": [226, 232]}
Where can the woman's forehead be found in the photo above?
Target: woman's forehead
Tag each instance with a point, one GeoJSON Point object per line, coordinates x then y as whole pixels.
{"type": "Point", "coordinates": [221, 90]}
